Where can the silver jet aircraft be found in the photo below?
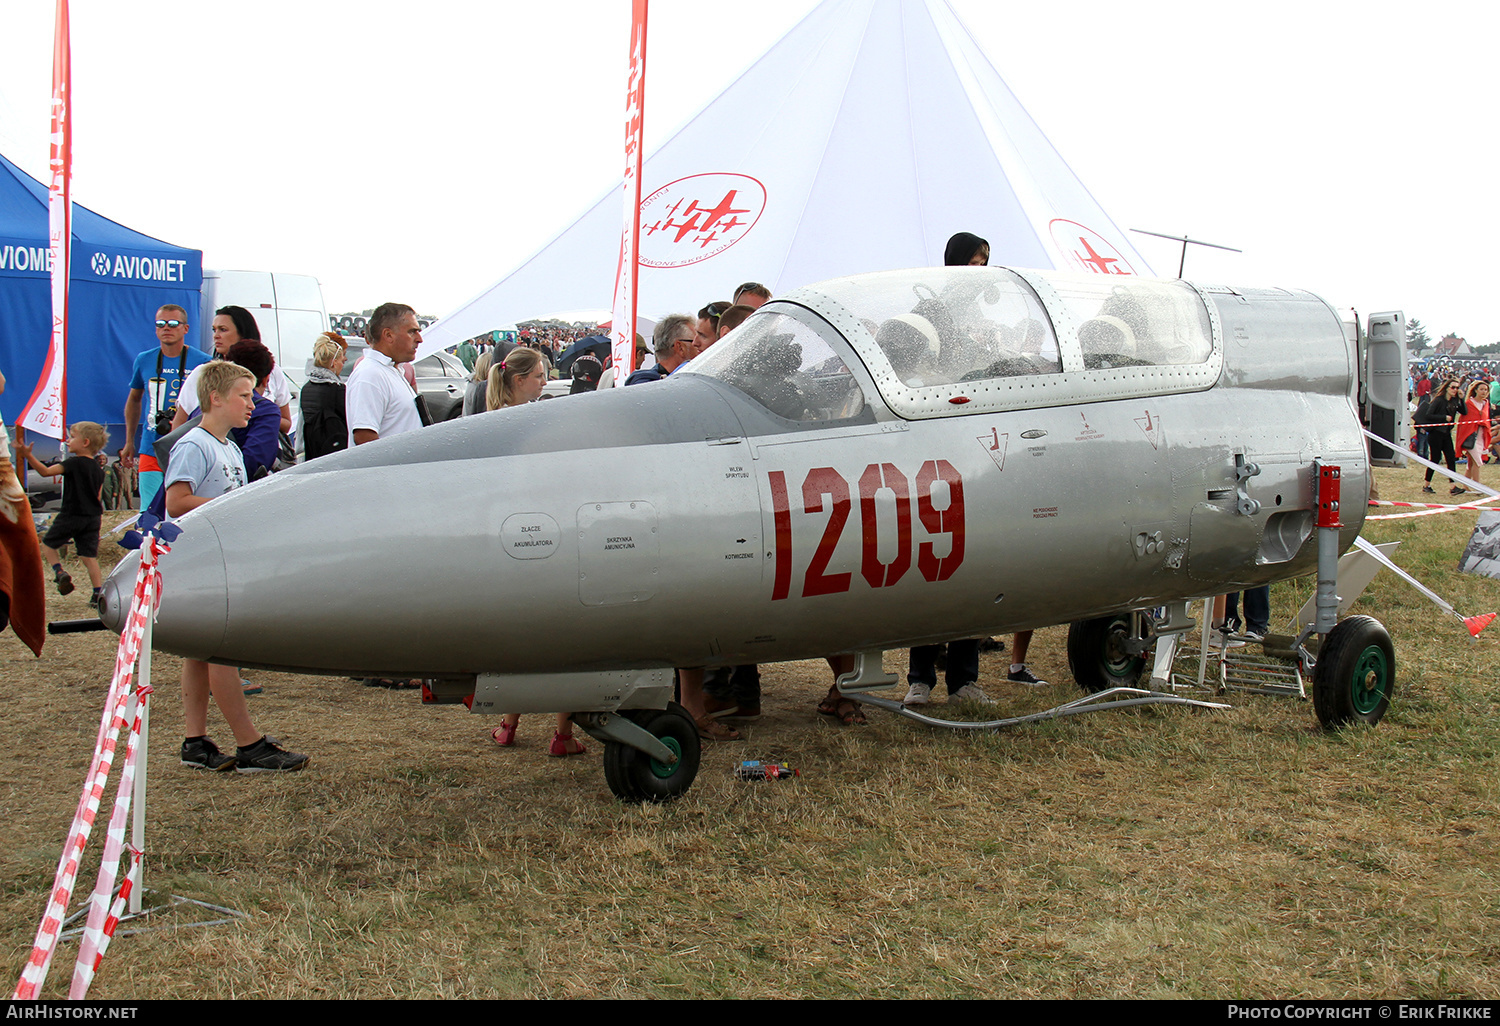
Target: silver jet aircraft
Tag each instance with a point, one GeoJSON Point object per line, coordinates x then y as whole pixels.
{"type": "Point", "coordinates": [868, 463]}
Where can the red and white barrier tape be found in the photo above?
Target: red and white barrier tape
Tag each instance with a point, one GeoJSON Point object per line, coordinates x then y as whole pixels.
{"type": "Point", "coordinates": [1443, 424]}
{"type": "Point", "coordinates": [143, 603]}
{"type": "Point", "coordinates": [91, 948]}
{"type": "Point", "coordinates": [1477, 504]}
{"type": "Point", "coordinates": [1425, 509]}
{"type": "Point", "coordinates": [132, 881]}
{"type": "Point", "coordinates": [1453, 474]}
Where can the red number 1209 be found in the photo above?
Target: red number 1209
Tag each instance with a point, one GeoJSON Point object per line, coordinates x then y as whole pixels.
{"type": "Point", "coordinates": [825, 482]}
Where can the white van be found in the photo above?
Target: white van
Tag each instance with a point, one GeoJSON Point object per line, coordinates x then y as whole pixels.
{"type": "Point", "coordinates": [288, 309]}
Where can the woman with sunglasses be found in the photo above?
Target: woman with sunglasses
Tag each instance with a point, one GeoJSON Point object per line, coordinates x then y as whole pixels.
{"type": "Point", "coordinates": [1444, 409]}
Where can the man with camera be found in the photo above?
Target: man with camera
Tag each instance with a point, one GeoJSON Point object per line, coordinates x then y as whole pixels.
{"type": "Point", "coordinates": [158, 374]}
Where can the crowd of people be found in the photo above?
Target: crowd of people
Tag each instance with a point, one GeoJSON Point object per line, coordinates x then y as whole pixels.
{"type": "Point", "coordinates": [1453, 416]}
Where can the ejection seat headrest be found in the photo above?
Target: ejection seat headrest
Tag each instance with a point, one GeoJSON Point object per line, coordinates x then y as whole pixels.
{"type": "Point", "coordinates": [910, 342]}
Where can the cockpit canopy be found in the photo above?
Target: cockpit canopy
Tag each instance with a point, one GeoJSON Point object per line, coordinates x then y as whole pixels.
{"type": "Point", "coordinates": [945, 341]}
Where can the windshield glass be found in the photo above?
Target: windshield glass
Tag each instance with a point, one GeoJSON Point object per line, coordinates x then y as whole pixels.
{"type": "Point", "coordinates": [1135, 322]}
{"type": "Point", "coordinates": [785, 365]}
{"type": "Point", "coordinates": [954, 324]}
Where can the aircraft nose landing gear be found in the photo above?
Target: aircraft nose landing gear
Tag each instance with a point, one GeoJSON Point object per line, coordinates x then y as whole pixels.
{"type": "Point", "coordinates": [1355, 675]}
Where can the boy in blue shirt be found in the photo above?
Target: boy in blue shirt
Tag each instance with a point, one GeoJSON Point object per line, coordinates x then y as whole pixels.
{"type": "Point", "coordinates": [205, 464]}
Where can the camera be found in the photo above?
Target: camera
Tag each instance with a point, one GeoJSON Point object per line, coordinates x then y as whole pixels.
{"type": "Point", "coordinates": [164, 422]}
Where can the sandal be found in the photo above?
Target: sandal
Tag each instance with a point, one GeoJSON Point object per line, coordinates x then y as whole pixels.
{"type": "Point", "coordinates": [504, 735]}
{"type": "Point", "coordinates": [565, 745]}
{"type": "Point", "coordinates": [710, 729]}
{"type": "Point", "coordinates": [842, 708]}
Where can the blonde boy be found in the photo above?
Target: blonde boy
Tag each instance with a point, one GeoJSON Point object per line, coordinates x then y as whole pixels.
{"type": "Point", "coordinates": [82, 504]}
{"type": "Point", "coordinates": [205, 464]}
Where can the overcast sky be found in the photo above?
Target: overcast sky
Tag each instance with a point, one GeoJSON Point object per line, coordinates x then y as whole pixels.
{"type": "Point", "coordinates": [418, 152]}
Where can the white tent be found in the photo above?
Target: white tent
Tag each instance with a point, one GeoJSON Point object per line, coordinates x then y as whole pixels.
{"type": "Point", "coordinates": [867, 136]}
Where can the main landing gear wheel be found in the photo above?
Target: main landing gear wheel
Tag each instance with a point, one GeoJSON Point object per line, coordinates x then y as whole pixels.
{"type": "Point", "coordinates": [634, 776]}
{"type": "Point", "coordinates": [1097, 657]}
{"type": "Point", "coordinates": [1356, 673]}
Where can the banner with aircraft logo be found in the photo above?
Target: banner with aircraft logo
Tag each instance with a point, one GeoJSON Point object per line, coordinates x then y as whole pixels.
{"type": "Point", "coordinates": [46, 410]}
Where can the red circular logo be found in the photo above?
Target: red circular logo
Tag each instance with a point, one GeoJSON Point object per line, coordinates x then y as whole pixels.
{"type": "Point", "coordinates": [1086, 250]}
{"type": "Point", "coordinates": [697, 217]}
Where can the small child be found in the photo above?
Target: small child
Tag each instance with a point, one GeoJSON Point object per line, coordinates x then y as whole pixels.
{"type": "Point", "coordinates": [204, 465]}
{"type": "Point", "coordinates": [82, 504]}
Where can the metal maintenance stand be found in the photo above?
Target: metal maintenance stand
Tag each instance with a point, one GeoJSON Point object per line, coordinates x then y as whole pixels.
{"type": "Point", "coordinates": [1233, 669]}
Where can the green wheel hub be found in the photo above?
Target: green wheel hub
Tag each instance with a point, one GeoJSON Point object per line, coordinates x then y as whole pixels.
{"type": "Point", "coordinates": [1355, 675]}
{"type": "Point", "coordinates": [1116, 659]}
{"type": "Point", "coordinates": [660, 769]}
{"type": "Point", "coordinates": [1370, 681]}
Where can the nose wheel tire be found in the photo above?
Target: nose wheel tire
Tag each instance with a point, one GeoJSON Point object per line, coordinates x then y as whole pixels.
{"type": "Point", "coordinates": [634, 776]}
{"type": "Point", "coordinates": [1356, 673]}
{"type": "Point", "coordinates": [1097, 657]}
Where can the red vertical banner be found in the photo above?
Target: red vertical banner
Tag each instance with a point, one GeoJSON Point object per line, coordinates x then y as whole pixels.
{"type": "Point", "coordinates": [46, 409]}
{"type": "Point", "coordinates": [627, 270]}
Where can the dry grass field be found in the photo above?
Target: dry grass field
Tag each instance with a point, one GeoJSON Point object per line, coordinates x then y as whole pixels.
{"type": "Point", "coordinates": [1162, 852]}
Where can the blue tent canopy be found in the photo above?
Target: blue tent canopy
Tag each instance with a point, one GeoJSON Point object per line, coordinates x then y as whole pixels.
{"type": "Point", "coordinates": [119, 279]}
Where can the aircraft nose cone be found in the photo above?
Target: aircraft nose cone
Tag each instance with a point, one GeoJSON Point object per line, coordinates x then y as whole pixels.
{"type": "Point", "coordinates": [114, 600]}
{"type": "Point", "coordinates": [195, 603]}
{"type": "Point", "coordinates": [195, 593]}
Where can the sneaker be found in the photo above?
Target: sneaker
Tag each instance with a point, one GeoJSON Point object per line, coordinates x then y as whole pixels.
{"type": "Point", "coordinates": [1455, 490]}
{"type": "Point", "coordinates": [266, 756]}
{"type": "Point", "coordinates": [249, 687]}
{"type": "Point", "coordinates": [1253, 635]}
{"type": "Point", "coordinates": [1429, 489]}
{"type": "Point", "coordinates": [1218, 639]}
{"type": "Point", "coordinates": [1025, 676]}
{"type": "Point", "coordinates": [970, 693]}
{"type": "Point", "coordinates": [201, 753]}
{"type": "Point", "coordinates": [94, 600]}
{"type": "Point", "coordinates": [64, 581]}
{"type": "Point", "coordinates": [917, 694]}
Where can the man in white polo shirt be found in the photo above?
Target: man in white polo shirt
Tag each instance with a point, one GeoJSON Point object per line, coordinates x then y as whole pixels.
{"type": "Point", "coordinates": [379, 402]}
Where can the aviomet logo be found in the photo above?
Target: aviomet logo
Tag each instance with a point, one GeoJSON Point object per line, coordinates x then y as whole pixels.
{"type": "Point", "coordinates": [38, 259]}
{"type": "Point", "coordinates": [144, 268]}
{"type": "Point", "coordinates": [25, 258]}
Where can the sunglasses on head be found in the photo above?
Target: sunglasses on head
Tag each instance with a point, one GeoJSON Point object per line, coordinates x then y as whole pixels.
{"type": "Point", "coordinates": [170, 324]}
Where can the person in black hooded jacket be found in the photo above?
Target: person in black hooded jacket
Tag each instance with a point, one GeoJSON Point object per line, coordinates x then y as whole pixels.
{"type": "Point", "coordinates": [324, 427]}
